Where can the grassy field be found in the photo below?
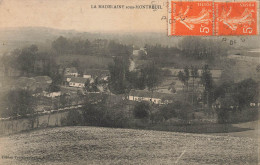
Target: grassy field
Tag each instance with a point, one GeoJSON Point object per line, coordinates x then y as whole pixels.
{"type": "Point", "coordinates": [92, 145]}
{"type": "Point", "coordinates": [86, 61]}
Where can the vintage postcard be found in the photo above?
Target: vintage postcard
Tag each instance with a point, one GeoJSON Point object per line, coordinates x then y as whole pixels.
{"type": "Point", "coordinates": [129, 82]}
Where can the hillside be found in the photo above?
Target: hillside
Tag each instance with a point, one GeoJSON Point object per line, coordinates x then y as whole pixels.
{"type": "Point", "coordinates": [92, 145]}
{"type": "Point", "coordinates": [17, 37]}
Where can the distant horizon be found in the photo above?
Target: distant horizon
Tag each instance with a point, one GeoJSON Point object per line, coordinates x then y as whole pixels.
{"type": "Point", "coordinates": [81, 16]}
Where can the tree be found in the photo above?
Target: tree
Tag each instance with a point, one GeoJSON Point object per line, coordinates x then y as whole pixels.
{"type": "Point", "coordinates": [53, 88]}
{"type": "Point", "coordinates": [184, 77]}
{"type": "Point", "coordinates": [74, 118]}
{"type": "Point", "coordinates": [141, 110]}
{"type": "Point", "coordinates": [20, 102]}
{"type": "Point", "coordinates": [187, 77]}
{"type": "Point", "coordinates": [168, 111]}
{"type": "Point", "coordinates": [63, 100]}
{"type": "Point", "coordinates": [194, 75]}
{"type": "Point", "coordinates": [92, 86]}
{"type": "Point", "coordinates": [245, 92]}
{"type": "Point", "coordinates": [117, 81]}
{"type": "Point", "coordinates": [95, 110]}
{"type": "Point", "coordinates": [61, 45]}
{"type": "Point", "coordinates": [172, 87]}
{"type": "Point", "coordinates": [152, 75]}
{"type": "Point", "coordinates": [26, 60]}
{"type": "Point", "coordinates": [202, 49]}
{"type": "Point", "coordinates": [207, 81]}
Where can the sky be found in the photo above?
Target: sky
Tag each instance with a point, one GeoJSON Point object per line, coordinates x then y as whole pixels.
{"type": "Point", "coordinates": [78, 15]}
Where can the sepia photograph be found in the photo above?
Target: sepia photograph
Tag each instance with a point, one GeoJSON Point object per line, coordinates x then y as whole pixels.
{"type": "Point", "coordinates": [129, 82]}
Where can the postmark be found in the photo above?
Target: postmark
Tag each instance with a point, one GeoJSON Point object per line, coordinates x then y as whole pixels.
{"type": "Point", "coordinates": [213, 18]}
{"type": "Point", "coordinates": [236, 18]}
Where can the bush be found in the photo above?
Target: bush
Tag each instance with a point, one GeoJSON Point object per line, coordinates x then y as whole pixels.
{"type": "Point", "coordinates": [115, 118]}
{"type": "Point", "coordinates": [223, 115]}
{"type": "Point", "coordinates": [168, 111]}
{"type": "Point", "coordinates": [226, 115]}
{"type": "Point", "coordinates": [101, 115]}
{"type": "Point", "coordinates": [141, 110]}
{"type": "Point", "coordinates": [73, 118]}
{"type": "Point", "coordinates": [93, 115]}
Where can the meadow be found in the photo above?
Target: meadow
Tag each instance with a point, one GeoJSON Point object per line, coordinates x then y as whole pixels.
{"type": "Point", "coordinates": [97, 62]}
{"type": "Point", "coordinates": [93, 145]}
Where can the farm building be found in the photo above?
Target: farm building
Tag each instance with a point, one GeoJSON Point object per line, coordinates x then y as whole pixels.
{"type": "Point", "coordinates": [153, 97]}
{"type": "Point", "coordinates": [78, 82]}
{"type": "Point", "coordinates": [52, 94]}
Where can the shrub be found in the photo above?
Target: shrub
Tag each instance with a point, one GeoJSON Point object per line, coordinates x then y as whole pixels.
{"type": "Point", "coordinates": [141, 110]}
{"type": "Point", "coordinates": [226, 115]}
{"type": "Point", "coordinates": [168, 111]}
{"type": "Point", "coordinates": [101, 115]}
{"type": "Point", "coordinates": [93, 114]}
{"type": "Point", "coordinates": [73, 118]}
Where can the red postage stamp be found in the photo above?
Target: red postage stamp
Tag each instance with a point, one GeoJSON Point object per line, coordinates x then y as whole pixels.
{"type": "Point", "coordinates": [191, 18]}
{"type": "Point", "coordinates": [211, 18]}
{"type": "Point", "coordinates": [236, 18]}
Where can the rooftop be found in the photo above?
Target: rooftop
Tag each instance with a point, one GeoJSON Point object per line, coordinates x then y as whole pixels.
{"type": "Point", "coordinates": [96, 72]}
{"type": "Point", "coordinates": [78, 79]}
{"type": "Point", "coordinates": [144, 93]}
{"type": "Point", "coordinates": [71, 70]}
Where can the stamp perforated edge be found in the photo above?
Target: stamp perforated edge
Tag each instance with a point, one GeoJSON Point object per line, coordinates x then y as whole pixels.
{"type": "Point", "coordinates": [169, 16]}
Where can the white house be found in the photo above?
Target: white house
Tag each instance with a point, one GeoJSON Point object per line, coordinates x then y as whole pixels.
{"type": "Point", "coordinates": [52, 94]}
{"type": "Point", "coordinates": [78, 82]}
{"type": "Point", "coordinates": [86, 76]}
{"type": "Point", "coordinates": [153, 97]}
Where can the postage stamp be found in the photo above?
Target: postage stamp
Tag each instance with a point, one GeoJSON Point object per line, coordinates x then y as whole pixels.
{"type": "Point", "coordinates": [213, 18]}
{"type": "Point", "coordinates": [191, 18]}
{"type": "Point", "coordinates": [236, 18]}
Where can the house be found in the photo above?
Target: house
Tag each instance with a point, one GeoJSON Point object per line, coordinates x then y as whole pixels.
{"type": "Point", "coordinates": [78, 82]}
{"type": "Point", "coordinates": [52, 94]}
{"type": "Point", "coordinates": [86, 76]}
{"type": "Point", "coordinates": [138, 52]}
{"type": "Point", "coordinates": [153, 97]}
{"type": "Point", "coordinates": [71, 71]}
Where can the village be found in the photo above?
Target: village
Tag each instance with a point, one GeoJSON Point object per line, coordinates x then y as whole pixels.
{"type": "Point", "coordinates": [74, 82]}
{"type": "Point", "coordinates": [129, 82]}
{"type": "Point", "coordinates": [160, 92]}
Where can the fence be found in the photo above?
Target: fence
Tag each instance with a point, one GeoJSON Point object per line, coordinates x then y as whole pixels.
{"type": "Point", "coordinates": [13, 126]}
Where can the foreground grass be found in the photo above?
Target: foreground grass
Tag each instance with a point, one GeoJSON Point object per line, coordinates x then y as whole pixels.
{"type": "Point", "coordinates": [93, 145]}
